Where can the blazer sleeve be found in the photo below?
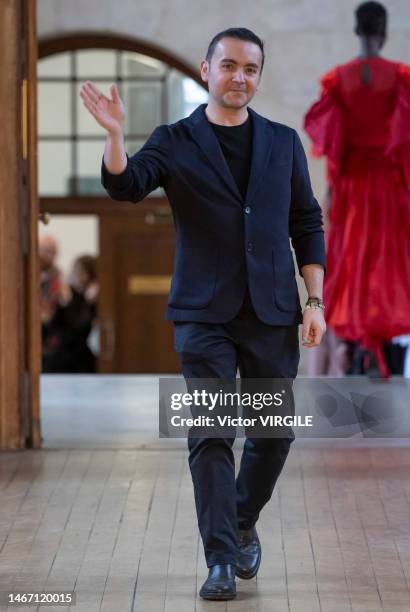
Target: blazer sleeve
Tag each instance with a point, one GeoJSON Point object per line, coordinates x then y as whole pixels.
{"type": "Point", "coordinates": [305, 216]}
{"type": "Point", "coordinates": [145, 171]}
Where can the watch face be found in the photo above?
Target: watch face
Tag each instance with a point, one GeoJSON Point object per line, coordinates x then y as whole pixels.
{"type": "Point", "coordinates": [315, 303]}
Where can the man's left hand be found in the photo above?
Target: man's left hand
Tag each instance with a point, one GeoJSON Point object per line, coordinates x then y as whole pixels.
{"type": "Point", "coordinates": [314, 327]}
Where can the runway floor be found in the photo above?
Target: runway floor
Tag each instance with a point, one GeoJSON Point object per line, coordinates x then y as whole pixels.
{"type": "Point", "coordinates": [115, 522]}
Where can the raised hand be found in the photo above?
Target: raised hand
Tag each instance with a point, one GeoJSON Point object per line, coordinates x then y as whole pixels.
{"type": "Point", "coordinates": [109, 113]}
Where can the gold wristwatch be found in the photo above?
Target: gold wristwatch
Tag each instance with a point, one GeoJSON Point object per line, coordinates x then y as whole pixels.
{"type": "Point", "coordinates": [315, 303]}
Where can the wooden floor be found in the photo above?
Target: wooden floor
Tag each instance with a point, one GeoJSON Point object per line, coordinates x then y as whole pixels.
{"type": "Point", "coordinates": [107, 509]}
{"type": "Point", "coordinates": [119, 528]}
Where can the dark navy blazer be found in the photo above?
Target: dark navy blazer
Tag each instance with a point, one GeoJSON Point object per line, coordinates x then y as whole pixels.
{"type": "Point", "coordinates": [224, 241]}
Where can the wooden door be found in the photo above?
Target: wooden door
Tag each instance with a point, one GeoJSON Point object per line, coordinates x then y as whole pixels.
{"type": "Point", "coordinates": [19, 309]}
{"type": "Point", "coordinates": [135, 270]}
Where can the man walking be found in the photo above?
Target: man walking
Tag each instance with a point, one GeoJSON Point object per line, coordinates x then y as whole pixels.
{"type": "Point", "coordinates": [239, 187]}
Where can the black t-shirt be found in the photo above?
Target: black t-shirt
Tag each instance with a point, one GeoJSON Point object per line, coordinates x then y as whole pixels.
{"type": "Point", "coordinates": [236, 144]}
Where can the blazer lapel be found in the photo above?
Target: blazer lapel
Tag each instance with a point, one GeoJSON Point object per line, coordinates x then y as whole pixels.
{"type": "Point", "coordinates": [261, 149]}
{"type": "Point", "coordinates": [262, 142]}
{"type": "Point", "coordinates": [206, 139]}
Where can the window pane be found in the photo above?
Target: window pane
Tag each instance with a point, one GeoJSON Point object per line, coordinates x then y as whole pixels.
{"type": "Point", "coordinates": [159, 95]}
{"type": "Point", "coordinates": [175, 97]}
{"type": "Point", "coordinates": [89, 168]}
{"type": "Point", "coordinates": [135, 64]}
{"type": "Point", "coordinates": [86, 124]}
{"type": "Point", "coordinates": [143, 107]}
{"type": "Point", "coordinates": [184, 95]}
{"type": "Point", "coordinates": [54, 167]}
{"type": "Point", "coordinates": [96, 63]}
{"type": "Point", "coordinates": [54, 66]}
{"type": "Point", "coordinates": [54, 109]}
{"type": "Point", "coordinates": [132, 145]}
{"type": "Point", "coordinates": [194, 95]}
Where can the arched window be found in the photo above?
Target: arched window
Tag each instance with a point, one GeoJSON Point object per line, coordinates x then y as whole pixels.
{"type": "Point", "coordinates": [70, 142]}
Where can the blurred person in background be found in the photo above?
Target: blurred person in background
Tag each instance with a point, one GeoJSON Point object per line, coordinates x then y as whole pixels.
{"type": "Point", "coordinates": [51, 283]}
{"type": "Point", "coordinates": [73, 321]}
{"type": "Point", "coordinates": [84, 280]}
{"type": "Point", "coordinates": [53, 293]}
{"type": "Point", "coordinates": [361, 123]}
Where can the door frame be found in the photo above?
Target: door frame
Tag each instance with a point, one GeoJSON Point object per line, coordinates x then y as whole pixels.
{"type": "Point", "coordinates": [19, 274]}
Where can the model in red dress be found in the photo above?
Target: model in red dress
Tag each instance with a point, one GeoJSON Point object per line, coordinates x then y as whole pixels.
{"type": "Point", "coordinates": [361, 123]}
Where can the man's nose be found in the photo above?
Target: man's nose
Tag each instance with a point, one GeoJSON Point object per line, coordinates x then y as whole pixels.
{"type": "Point", "coordinates": [239, 76]}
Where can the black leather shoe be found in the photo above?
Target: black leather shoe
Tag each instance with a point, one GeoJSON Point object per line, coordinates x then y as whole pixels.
{"type": "Point", "coordinates": [249, 555]}
{"type": "Point", "coordinates": [220, 583]}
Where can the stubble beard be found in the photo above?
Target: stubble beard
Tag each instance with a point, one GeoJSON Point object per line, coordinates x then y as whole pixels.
{"type": "Point", "coordinates": [238, 105]}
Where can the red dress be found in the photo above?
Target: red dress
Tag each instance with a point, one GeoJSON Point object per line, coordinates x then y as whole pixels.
{"type": "Point", "coordinates": [364, 132]}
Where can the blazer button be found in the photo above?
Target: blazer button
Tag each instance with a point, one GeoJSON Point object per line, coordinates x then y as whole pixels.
{"type": "Point", "coordinates": [248, 210]}
{"type": "Point", "coordinates": [249, 248]}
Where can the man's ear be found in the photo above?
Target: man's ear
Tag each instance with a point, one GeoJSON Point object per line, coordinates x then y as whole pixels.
{"type": "Point", "coordinates": [204, 70]}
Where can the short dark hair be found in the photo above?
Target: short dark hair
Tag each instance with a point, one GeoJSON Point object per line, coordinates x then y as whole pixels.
{"type": "Point", "coordinates": [371, 19]}
{"type": "Point", "coordinates": [239, 33]}
{"type": "Point", "coordinates": [89, 264]}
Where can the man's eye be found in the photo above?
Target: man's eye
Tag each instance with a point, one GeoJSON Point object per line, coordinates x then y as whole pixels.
{"type": "Point", "coordinates": [227, 66]}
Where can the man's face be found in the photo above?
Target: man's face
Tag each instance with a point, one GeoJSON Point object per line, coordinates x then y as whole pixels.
{"type": "Point", "coordinates": [233, 74]}
{"type": "Point", "coordinates": [47, 252]}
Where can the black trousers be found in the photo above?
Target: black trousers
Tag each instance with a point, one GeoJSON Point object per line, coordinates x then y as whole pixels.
{"type": "Point", "coordinates": [208, 350]}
